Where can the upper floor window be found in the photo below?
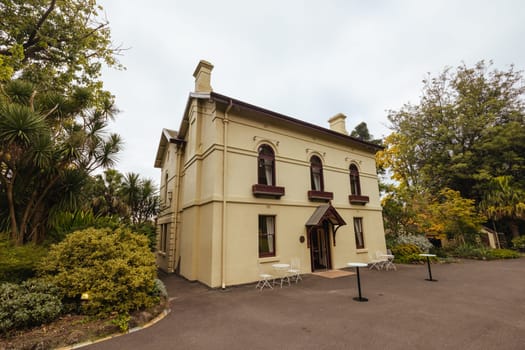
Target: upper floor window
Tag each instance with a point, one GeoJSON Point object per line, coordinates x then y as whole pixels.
{"type": "Point", "coordinates": [316, 174]}
{"type": "Point", "coordinates": [355, 186]}
{"type": "Point", "coordinates": [266, 166]}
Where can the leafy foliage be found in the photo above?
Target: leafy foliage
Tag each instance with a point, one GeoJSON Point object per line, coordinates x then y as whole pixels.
{"type": "Point", "coordinates": [407, 253]}
{"type": "Point", "coordinates": [450, 215]}
{"type": "Point", "coordinates": [361, 132]}
{"type": "Point", "coordinates": [419, 241]}
{"type": "Point", "coordinates": [504, 200]}
{"type": "Point", "coordinates": [64, 222]}
{"type": "Point", "coordinates": [47, 153]}
{"type": "Point", "coordinates": [53, 109]}
{"type": "Point", "coordinates": [17, 263]}
{"type": "Point", "coordinates": [129, 197]}
{"type": "Point", "coordinates": [466, 132]}
{"type": "Point", "coordinates": [470, 251]}
{"type": "Point", "coordinates": [519, 242]}
{"type": "Point", "coordinates": [114, 267]}
{"type": "Point", "coordinates": [31, 303]}
{"type": "Point", "coordinates": [54, 43]}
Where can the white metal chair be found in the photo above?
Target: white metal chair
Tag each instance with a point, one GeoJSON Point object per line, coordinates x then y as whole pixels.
{"type": "Point", "coordinates": [374, 263]}
{"type": "Point", "coordinates": [294, 272]}
{"type": "Point", "coordinates": [264, 279]}
{"type": "Point", "coordinates": [389, 264]}
{"type": "Point", "coordinates": [378, 262]}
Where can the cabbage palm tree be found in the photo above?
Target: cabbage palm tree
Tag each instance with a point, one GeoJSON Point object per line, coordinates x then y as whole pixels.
{"type": "Point", "coordinates": [24, 142]}
{"type": "Point", "coordinates": [49, 144]}
{"type": "Point", "coordinates": [140, 196]}
{"type": "Point", "coordinates": [503, 201]}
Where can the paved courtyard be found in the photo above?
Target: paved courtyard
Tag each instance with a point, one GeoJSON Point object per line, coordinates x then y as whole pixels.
{"type": "Point", "coordinates": [474, 305]}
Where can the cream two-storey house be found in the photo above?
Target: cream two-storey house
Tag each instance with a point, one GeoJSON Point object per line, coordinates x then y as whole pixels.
{"type": "Point", "coordinates": [244, 187]}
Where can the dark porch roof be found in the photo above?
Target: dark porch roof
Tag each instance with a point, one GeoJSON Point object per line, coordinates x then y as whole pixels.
{"type": "Point", "coordinates": [325, 212]}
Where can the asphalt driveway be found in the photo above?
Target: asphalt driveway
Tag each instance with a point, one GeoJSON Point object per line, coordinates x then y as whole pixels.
{"type": "Point", "coordinates": [474, 305]}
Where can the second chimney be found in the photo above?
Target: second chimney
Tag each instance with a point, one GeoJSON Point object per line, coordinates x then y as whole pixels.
{"type": "Point", "coordinates": [337, 123]}
{"type": "Point", "coordinates": [202, 76]}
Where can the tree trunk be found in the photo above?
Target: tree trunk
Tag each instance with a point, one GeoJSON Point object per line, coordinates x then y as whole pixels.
{"type": "Point", "coordinates": [15, 234]}
{"type": "Point", "coordinates": [28, 217]}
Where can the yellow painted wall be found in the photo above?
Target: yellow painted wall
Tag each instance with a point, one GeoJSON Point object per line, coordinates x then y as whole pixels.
{"type": "Point", "coordinates": [201, 248]}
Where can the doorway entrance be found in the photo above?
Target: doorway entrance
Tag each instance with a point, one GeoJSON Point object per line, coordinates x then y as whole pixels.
{"type": "Point", "coordinates": [320, 248]}
{"type": "Point", "coordinates": [321, 228]}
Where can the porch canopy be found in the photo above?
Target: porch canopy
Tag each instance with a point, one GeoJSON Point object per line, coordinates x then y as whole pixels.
{"type": "Point", "coordinates": [324, 212]}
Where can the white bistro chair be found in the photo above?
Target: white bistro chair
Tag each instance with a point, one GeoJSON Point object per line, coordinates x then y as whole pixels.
{"type": "Point", "coordinates": [375, 263]}
{"type": "Point", "coordinates": [264, 279]}
{"type": "Point", "coordinates": [389, 264]}
{"type": "Point", "coordinates": [294, 272]}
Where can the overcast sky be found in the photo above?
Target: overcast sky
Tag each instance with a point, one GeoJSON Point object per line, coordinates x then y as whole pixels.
{"type": "Point", "coordinates": [306, 59]}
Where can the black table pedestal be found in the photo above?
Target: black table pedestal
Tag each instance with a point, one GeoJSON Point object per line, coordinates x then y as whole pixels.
{"type": "Point", "coordinates": [359, 298]}
{"type": "Point", "coordinates": [430, 279]}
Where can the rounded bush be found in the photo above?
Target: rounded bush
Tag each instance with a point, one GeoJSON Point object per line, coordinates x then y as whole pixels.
{"type": "Point", "coordinates": [418, 240]}
{"type": "Point", "coordinates": [31, 303]}
{"type": "Point", "coordinates": [407, 253]}
{"type": "Point", "coordinates": [519, 242]}
{"type": "Point", "coordinates": [104, 270]}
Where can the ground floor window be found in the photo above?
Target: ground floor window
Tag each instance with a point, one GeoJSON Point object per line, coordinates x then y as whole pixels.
{"type": "Point", "coordinates": [358, 230]}
{"type": "Point", "coordinates": [266, 235]}
{"type": "Point", "coordinates": [163, 243]}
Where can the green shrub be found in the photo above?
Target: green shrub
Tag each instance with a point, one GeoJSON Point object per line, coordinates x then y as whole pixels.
{"type": "Point", "coordinates": [62, 223]}
{"type": "Point", "coordinates": [481, 253]}
{"type": "Point", "coordinates": [418, 240]}
{"type": "Point", "coordinates": [149, 230]}
{"type": "Point", "coordinates": [160, 289]}
{"type": "Point", "coordinates": [519, 242]}
{"type": "Point", "coordinates": [407, 253]}
{"type": "Point", "coordinates": [17, 263]}
{"type": "Point", "coordinates": [114, 269]}
{"type": "Point", "coordinates": [31, 303]}
{"type": "Point", "coordinates": [503, 254]}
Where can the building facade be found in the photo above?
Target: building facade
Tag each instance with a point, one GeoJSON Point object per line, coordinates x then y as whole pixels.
{"type": "Point", "coordinates": [244, 187]}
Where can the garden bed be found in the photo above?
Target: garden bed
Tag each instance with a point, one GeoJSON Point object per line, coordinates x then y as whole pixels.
{"type": "Point", "coordinates": [73, 329]}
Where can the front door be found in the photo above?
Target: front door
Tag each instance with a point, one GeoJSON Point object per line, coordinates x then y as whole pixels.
{"type": "Point", "coordinates": [320, 248]}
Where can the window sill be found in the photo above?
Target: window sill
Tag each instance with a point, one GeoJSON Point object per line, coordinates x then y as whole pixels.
{"type": "Point", "coordinates": [362, 251]}
{"type": "Point", "coordinates": [320, 196]}
{"type": "Point", "coordinates": [267, 191]}
{"type": "Point", "coordinates": [269, 259]}
{"type": "Point", "coordinates": [360, 200]}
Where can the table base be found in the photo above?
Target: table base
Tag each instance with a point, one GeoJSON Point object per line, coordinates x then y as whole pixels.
{"type": "Point", "coordinates": [360, 299]}
{"type": "Point", "coordinates": [431, 280]}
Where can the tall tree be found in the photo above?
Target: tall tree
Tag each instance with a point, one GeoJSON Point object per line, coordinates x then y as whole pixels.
{"type": "Point", "coordinates": [141, 196]}
{"type": "Point", "coordinates": [49, 144]}
{"type": "Point", "coordinates": [361, 132]}
{"type": "Point", "coordinates": [503, 201]}
{"type": "Point", "coordinates": [55, 44]}
{"type": "Point", "coordinates": [468, 128]}
{"type": "Point", "coordinates": [449, 135]}
{"type": "Point", "coordinates": [54, 111]}
{"type": "Point", "coordinates": [106, 200]}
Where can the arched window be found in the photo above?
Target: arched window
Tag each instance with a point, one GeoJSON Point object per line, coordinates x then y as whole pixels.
{"type": "Point", "coordinates": [316, 174]}
{"type": "Point", "coordinates": [266, 166]}
{"type": "Point", "coordinates": [355, 186]}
